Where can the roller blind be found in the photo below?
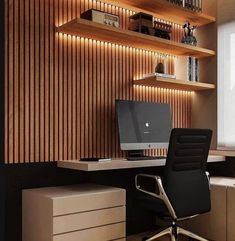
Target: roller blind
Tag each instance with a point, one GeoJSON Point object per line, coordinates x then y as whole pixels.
{"type": "Point", "coordinates": [226, 85]}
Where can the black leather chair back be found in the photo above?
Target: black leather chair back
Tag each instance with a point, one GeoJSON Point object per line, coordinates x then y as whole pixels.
{"type": "Point", "coordinates": [185, 180]}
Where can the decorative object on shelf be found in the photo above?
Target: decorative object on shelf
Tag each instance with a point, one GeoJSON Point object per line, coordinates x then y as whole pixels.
{"type": "Point", "coordinates": [142, 23]}
{"type": "Point", "coordinates": [160, 68]}
{"type": "Point", "coordinates": [194, 5]}
{"type": "Point", "coordinates": [162, 30]}
{"type": "Point", "coordinates": [188, 35]}
{"type": "Point", "coordinates": [101, 17]}
{"type": "Point", "coordinates": [193, 69]}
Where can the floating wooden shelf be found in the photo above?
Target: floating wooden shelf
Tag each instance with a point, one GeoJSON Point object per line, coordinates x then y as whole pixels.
{"type": "Point", "coordinates": [89, 29]}
{"type": "Point", "coordinates": [166, 10]}
{"type": "Point", "coordinates": [174, 84]}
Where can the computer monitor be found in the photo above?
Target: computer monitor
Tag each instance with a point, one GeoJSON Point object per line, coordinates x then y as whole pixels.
{"type": "Point", "coordinates": [143, 125]}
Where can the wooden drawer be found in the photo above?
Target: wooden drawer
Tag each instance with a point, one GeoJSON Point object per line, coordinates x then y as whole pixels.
{"type": "Point", "coordinates": [99, 198]}
{"type": "Point", "coordinates": [230, 213]}
{"type": "Point", "coordinates": [104, 233]}
{"type": "Point", "coordinates": [215, 219]}
{"type": "Point", "coordinates": [80, 212]}
{"type": "Point", "coordinates": [84, 220]}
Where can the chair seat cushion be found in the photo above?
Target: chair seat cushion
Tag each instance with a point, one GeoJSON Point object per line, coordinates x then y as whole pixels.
{"type": "Point", "coordinates": [152, 204]}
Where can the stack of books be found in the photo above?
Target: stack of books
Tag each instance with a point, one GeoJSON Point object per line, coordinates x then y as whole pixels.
{"type": "Point", "coordinates": [169, 76]}
{"type": "Point", "coordinates": [194, 5]}
{"type": "Point", "coordinates": [193, 69]}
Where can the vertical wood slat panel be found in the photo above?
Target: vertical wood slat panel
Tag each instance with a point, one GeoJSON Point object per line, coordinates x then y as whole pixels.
{"type": "Point", "coordinates": [47, 79]}
{"type": "Point", "coordinates": [21, 81]}
{"type": "Point", "coordinates": [6, 86]}
{"type": "Point", "coordinates": [26, 117]}
{"type": "Point", "coordinates": [31, 123]}
{"type": "Point", "coordinates": [55, 106]}
{"type": "Point", "coordinates": [51, 145]}
{"type": "Point", "coordinates": [42, 80]}
{"type": "Point", "coordinates": [37, 80]}
{"type": "Point", "coordinates": [60, 90]}
{"type": "Point", "coordinates": [16, 81]}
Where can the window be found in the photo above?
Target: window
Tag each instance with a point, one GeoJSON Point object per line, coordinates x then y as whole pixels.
{"type": "Point", "coordinates": [226, 85]}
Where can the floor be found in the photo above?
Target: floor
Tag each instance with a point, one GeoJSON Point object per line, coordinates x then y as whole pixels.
{"type": "Point", "coordinates": [140, 236]}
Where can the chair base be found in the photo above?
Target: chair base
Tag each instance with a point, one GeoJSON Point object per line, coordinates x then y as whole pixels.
{"type": "Point", "coordinates": [174, 231]}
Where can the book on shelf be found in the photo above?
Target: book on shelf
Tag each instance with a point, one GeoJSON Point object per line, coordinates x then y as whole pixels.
{"type": "Point", "coordinates": [168, 76]}
{"type": "Point", "coordinates": [194, 5]}
{"type": "Point", "coordinates": [95, 159]}
{"type": "Point", "coordinates": [193, 69]}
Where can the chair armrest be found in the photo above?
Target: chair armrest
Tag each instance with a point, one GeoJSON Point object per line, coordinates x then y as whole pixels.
{"type": "Point", "coordinates": [157, 182]}
{"type": "Point", "coordinates": [162, 194]}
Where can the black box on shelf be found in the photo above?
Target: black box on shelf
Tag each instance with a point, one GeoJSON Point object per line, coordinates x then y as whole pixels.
{"type": "Point", "coordinates": [142, 23]}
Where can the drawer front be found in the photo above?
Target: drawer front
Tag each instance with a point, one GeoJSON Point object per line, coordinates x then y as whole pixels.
{"type": "Point", "coordinates": [78, 221]}
{"type": "Point", "coordinates": [215, 219]}
{"type": "Point", "coordinates": [89, 202]}
{"type": "Point", "coordinates": [230, 213]}
{"type": "Point", "coordinates": [104, 233]}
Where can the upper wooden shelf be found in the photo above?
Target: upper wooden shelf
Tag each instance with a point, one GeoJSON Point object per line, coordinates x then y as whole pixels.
{"type": "Point", "coordinates": [89, 29]}
{"type": "Point", "coordinates": [174, 84]}
{"type": "Point", "coordinates": [165, 10]}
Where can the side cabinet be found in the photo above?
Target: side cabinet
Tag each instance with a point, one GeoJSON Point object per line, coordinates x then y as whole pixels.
{"type": "Point", "coordinates": [218, 225]}
{"type": "Point", "coordinates": [74, 213]}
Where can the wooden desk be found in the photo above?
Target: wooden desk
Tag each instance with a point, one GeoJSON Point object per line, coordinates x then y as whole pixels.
{"type": "Point", "coordinates": [228, 153]}
{"type": "Point", "coordinates": [121, 164]}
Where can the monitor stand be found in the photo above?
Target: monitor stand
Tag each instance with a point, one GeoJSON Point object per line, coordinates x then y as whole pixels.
{"type": "Point", "coordinates": [136, 153]}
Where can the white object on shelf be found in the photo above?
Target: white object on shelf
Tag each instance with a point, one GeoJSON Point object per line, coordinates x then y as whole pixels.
{"type": "Point", "coordinates": [170, 76]}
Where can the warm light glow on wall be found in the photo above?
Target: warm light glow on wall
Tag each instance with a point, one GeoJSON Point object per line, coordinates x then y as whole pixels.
{"type": "Point", "coordinates": [64, 86]}
{"type": "Point", "coordinates": [166, 90]}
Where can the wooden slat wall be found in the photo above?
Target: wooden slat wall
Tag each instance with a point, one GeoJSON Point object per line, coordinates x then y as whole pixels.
{"type": "Point", "coordinates": [60, 90]}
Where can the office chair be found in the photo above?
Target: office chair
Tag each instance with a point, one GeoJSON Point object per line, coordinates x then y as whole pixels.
{"type": "Point", "coordinates": [184, 190]}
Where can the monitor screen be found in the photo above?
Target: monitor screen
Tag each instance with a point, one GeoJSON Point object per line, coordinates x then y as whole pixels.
{"type": "Point", "coordinates": [143, 125]}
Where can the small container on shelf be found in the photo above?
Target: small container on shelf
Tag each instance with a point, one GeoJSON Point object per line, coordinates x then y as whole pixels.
{"type": "Point", "coordinates": [142, 23]}
{"type": "Point", "coordinates": [162, 30]}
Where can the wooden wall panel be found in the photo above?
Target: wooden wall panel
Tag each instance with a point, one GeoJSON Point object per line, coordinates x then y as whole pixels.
{"type": "Point", "coordinates": [60, 90]}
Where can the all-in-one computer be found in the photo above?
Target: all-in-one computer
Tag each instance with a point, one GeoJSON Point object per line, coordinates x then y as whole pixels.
{"type": "Point", "coordinates": [143, 126]}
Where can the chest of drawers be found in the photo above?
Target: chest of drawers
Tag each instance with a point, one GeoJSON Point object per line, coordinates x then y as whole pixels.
{"type": "Point", "coordinates": [74, 213]}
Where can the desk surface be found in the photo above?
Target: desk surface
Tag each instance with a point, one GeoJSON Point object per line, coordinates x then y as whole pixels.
{"type": "Point", "coordinates": [121, 164]}
{"type": "Point", "coordinates": [228, 153]}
